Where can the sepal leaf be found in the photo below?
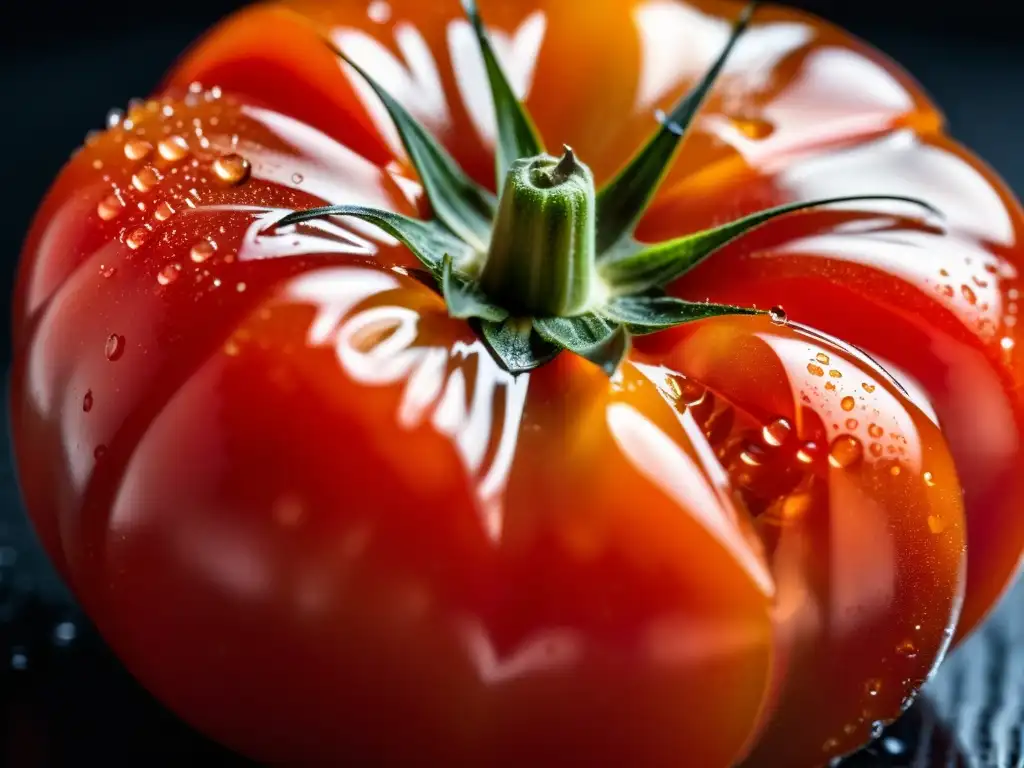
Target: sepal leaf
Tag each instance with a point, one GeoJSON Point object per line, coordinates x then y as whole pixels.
{"type": "Point", "coordinates": [518, 347]}
{"type": "Point", "coordinates": [639, 269]}
{"type": "Point", "coordinates": [464, 206]}
{"type": "Point", "coordinates": [464, 298]}
{"type": "Point", "coordinates": [428, 241]}
{"type": "Point", "coordinates": [649, 314]}
{"type": "Point", "coordinates": [623, 200]}
{"type": "Point", "coordinates": [517, 135]}
{"type": "Point", "coordinates": [601, 341]}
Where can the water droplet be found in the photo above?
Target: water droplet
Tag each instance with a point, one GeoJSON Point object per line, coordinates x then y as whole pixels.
{"type": "Point", "coordinates": [877, 727]}
{"type": "Point", "coordinates": [108, 271]}
{"type": "Point", "coordinates": [907, 649]}
{"type": "Point", "coordinates": [297, 178]}
{"type": "Point", "coordinates": [1006, 343]}
{"type": "Point", "coordinates": [64, 633]}
{"type": "Point", "coordinates": [847, 403]}
{"type": "Point", "coordinates": [137, 149]}
{"type": "Point", "coordinates": [807, 453]}
{"type": "Point", "coordinates": [851, 424]}
{"type": "Point", "coordinates": [146, 179]}
{"type": "Point", "coordinates": [776, 433]}
{"type": "Point", "coordinates": [936, 524]}
{"type": "Point", "coordinates": [231, 348]}
{"type": "Point", "coordinates": [829, 745]}
{"type": "Point", "coordinates": [164, 211]}
{"type": "Point", "coordinates": [873, 686]}
{"type": "Point", "coordinates": [755, 128]}
{"type": "Point", "coordinates": [895, 469]}
{"type": "Point", "coordinates": [893, 746]}
{"type": "Point", "coordinates": [202, 250]}
{"type": "Point", "coordinates": [87, 401]}
{"type": "Point", "coordinates": [168, 274]}
{"type": "Point", "coordinates": [240, 287]}
{"type": "Point", "coordinates": [778, 315]}
{"type": "Point", "coordinates": [869, 388]}
{"type": "Point", "coordinates": [969, 294]}
{"type": "Point", "coordinates": [822, 358]}
{"type": "Point", "coordinates": [692, 393]}
{"type": "Point", "coordinates": [929, 479]}
{"type": "Point", "coordinates": [173, 148]}
{"type": "Point", "coordinates": [114, 347]}
{"type": "Point", "coordinates": [876, 449]}
{"type": "Point", "coordinates": [946, 290]}
{"type": "Point", "coordinates": [846, 451]}
{"type": "Point", "coordinates": [114, 118]}
{"type": "Point", "coordinates": [379, 11]}
{"type": "Point", "coordinates": [875, 431]}
{"type": "Point", "coordinates": [109, 208]}
{"type": "Point", "coordinates": [835, 374]}
{"type": "Point", "coordinates": [136, 238]}
{"type": "Point", "coordinates": [232, 169]}
{"type": "Point", "coordinates": [815, 370]}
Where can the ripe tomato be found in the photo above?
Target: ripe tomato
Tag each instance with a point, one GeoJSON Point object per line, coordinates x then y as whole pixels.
{"type": "Point", "coordinates": [317, 517]}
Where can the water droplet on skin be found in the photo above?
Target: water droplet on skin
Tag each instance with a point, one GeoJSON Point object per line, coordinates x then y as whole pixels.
{"type": "Point", "coordinates": [379, 12]}
{"type": "Point", "coordinates": [692, 393]}
{"type": "Point", "coordinates": [114, 347]}
{"type": "Point", "coordinates": [146, 179]}
{"type": "Point", "coordinates": [851, 424]}
{"type": "Point", "coordinates": [168, 274]}
{"type": "Point", "coordinates": [829, 745]}
{"type": "Point", "coordinates": [946, 290]}
{"type": "Point", "coordinates": [202, 250]}
{"type": "Point", "coordinates": [869, 388]}
{"type": "Point", "coordinates": [297, 178]}
{"type": "Point", "coordinates": [108, 271]}
{"type": "Point", "coordinates": [136, 238]}
{"type": "Point", "coordinates": [893, 745]}
{"type": "Point", "coordinates": [873, 687]}
{"type": "Point", "coordinates": [968, 294]}
{"type": "Point", "coordinates": [907, 649]}
{"type": "Point", "coordinates": [64, 633]}
{"type": "Point", "coordinates": [876, 449]}
{"type": "Point", "coordinates": [815, 370]}
{"type": "Point", "coordinates": [87, 401]}
{"type": "Point", "coordinates": [846, 452]}
{"type": "Point", "coordinates": [929, 479]}
{"type": "Point", "coordinates": [776, 433]}
{"type": "Point", "coordinates": [232, 169]}
{"type": "Point", "coordinates": [240, 287]}
{"type": "Point", "coordinates": [807, 453]}
{"type": "Point", "coordinates": [97, 164]}
{"type": "Point", "coordinates": [875, 431]}
{"type": "Point", "coordinates": [109, 208]}
{"type": "Point", "coordinates": [936, 524]}
{"type": "Point", "coordinates": [1006, 343]}
{"type": "Point", "coordinates": [778, 315]}
{"type": "Point", "coordinates": [137, 149]}
{"type": "Point", "coordinates": [822, 358]}
{"type": "Point", "coordinates": [830, 386]}
{"type": "Point", "coordinates": [847, 403]}
{"type": "Point", "coordinates": [835, 374]}
{"type": "Point", "coordinates": [173, 148]}
{"type": "Point", "coordinates": [755, 128]}
{"type": "Point", "coordinates": [114, 118]}
{"type": "Point", "coordinates": [164, 211]}
{"type": "Point", "coordinates": [877, 727]}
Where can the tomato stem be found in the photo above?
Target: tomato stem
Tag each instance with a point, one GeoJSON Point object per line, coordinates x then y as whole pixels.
{"type": "Point", "coordinates": [541, 261]}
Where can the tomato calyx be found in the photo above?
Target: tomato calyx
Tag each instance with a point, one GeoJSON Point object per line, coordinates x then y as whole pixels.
{"type": "Point", "coordinates": [552, 264]}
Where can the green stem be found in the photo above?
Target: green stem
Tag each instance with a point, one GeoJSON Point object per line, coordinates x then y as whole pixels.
{"type": "Point", "coordinates": [542, 257]}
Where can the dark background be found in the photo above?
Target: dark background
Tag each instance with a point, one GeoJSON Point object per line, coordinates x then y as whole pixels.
{"type": "Point", "coordinates": [64, 701]}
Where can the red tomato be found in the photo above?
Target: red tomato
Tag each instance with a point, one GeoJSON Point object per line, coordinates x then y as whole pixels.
{"type": "Point", "coordinates": [315, 516]}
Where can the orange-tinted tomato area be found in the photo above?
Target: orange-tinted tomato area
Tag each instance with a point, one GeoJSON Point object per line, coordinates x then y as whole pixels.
{"type": "Point", "coordinates": [313, 515]}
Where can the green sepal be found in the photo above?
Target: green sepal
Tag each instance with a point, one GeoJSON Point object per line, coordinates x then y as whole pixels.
{"type": "Point", "coordinates": [460, 203]}
{"type": "Point", "coordinates": [599, 340]}
{"type": "Point", "coordinates": [634, 270]}
{"type": "Point", "coordinates": [649, 314]}
{"type": "Point", "coordinates": [464, 297]}
{"type": "Point", "coordinates": [518, 347]}
{"type": "Point", "coordinates": [517, 134]}
{"type": "Point", "coordinates": [621, 203]}
{"type": "Point", "coordinates": [429, 241]}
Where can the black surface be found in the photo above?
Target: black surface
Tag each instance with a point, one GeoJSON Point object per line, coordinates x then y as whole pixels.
{"type": "Point", "coordinates": [64, 700]}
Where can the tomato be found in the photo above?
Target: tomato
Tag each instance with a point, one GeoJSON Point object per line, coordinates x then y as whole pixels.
{"type": "Point", "coordinates": [322, 520]}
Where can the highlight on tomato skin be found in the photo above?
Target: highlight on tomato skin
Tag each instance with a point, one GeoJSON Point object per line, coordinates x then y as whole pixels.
{"type": "Point", "coordinates": [747, 544]}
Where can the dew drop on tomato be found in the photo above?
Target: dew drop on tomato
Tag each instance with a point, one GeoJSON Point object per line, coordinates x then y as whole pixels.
{"type": "Point", "coordinates": [778, 315]}
{"type": "Point", "coordinates": [114, 347]}
{"type": "Point", "coordinates": [146, 179]}
{"type": "Point", "coordinates": [173, 148]}
{"type": "Point", "coordinates": [907, 649]}
{"type": "Point", "coordinates": [137, 149]}
{"type": "Point", "coordinates": [807, 453]}
{"type": "Point", "coordinates": [232, 168]}
{"type": "Point", "coordinates": [776, 433]}
{"type": "Point", "coordinates": [873, 687]}
{"type": "Point", "coordinates": [114, 118]}
{"type": "Point", "coordinates": [845, 452]}
{"type": "Point", "coordinates": [202, 250]}
{"type": "Point", "coordinates": [163, 211]}
{"type": "Point", "coordinates": [136, 238]}
{"type": "Point", "coordinates": [755, 128]}
{"type": "Point", "coordinates": [847, 403]}
{"type": "Point", "coordinates": [109, 208]}
{"type": "Point", "coordinates": [168, 274]}
{"type": "Point", "coordinates": [87, 401]}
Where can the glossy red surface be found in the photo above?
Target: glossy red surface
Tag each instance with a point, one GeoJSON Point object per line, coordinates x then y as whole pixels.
{"type": "Point", "coordinates": [280, 439]}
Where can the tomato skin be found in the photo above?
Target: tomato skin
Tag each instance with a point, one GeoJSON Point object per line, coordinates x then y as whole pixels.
{"type": "Point", "coordinates": [310, 513]}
